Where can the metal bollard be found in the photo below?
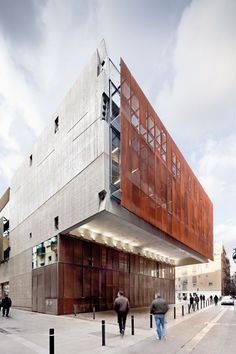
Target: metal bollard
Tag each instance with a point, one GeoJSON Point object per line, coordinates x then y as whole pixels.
{"type": "Point", "coordinates": [174, 312]}
{"type": "Point", "coordinates": [103, 333]}
{"type": "Point", "coordinates": [93, 312]}
{"type": "Point", "coordinates": [182, 310]}
{"type": "Point", "coordinates": [132, 325]}
{"type": "Point", "coordinates": [51, 341]}
{"type": "Point", "coordinates": [150, 320]}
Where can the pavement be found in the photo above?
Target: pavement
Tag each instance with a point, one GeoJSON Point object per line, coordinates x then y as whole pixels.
{"type": "Point", "coordinates": [28, 332]}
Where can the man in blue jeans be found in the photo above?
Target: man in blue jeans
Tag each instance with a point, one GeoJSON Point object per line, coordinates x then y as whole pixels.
{"type": "Point", "coordinates": [159, 308]}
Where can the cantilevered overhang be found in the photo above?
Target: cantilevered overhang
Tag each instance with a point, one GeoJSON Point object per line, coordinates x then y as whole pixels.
{"type": "Point", "coordinates": [129, 233]}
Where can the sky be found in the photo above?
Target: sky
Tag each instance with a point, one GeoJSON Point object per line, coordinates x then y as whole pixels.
{"type": "Point", "coordinates": [182, 53]}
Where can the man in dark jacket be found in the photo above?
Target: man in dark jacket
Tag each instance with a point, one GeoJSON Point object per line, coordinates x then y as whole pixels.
{"type": "Point", "coordinates": [6, 304]}
{"type": "Point", "coordinates": [216, 300]}
{"type": "Point", "coordinates": [159, 308]}
{"type": "Point", "coordinates": [191, 302]}
{"type": "Point", "coordinates": [121, 306]}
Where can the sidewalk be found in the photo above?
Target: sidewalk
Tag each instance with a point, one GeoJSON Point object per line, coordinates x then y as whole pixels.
{"type": "Point", "coordinates": [27, 332]}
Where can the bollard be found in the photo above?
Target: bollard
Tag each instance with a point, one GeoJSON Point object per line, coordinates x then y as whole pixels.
{"type": "Point", "coordinates": [182, 310]}
{"type": "Point", "coordinates": [188, 308]}
{"type": "Point", "coordinates": [150, 320]}
{"type": "Point", "coordinates": [201, 304]}
{"type": "Point", "coordinates": [132, 325]}
{"type": "Point", "coordinates": [51, 341]}
{"type": "Point", "coordinates": [174, 312]}
{"type": "Point", "coordinates": [103, 333]}
{"type": "Point", "coordinates": [93, 312]}
{"type": "Point", "coordinates": [197, 306]}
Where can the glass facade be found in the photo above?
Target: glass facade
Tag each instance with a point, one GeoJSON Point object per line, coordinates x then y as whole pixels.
{"type": "Point", "coordinates": [45, 253]}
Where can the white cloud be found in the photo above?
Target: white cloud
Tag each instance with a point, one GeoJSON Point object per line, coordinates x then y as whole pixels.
{"type": "Point", "coordinates": [200, 100]}
{"type": "Point", "coordinates": [217, 167]}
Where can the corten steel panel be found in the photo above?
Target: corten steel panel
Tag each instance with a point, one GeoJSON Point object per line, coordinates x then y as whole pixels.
{"type": "Point", "coordinates": [157, 183]}
{"type": "Point", "coordinates": [98, 282]}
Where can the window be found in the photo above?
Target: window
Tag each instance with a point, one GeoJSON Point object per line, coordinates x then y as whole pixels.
{"type": "Point", "coordinates": [44, 253]}
{"type": "Point", "coordinates": [56, 124]}
{"type": "Point", "coordinates": [175, 166]}
{"type": "Point", "coordinates": [31, 160]}
{"type": "Point", "coordinates": [56, 222]}
{"type": "Point", "coordinates": [135, 111]}
{"type": "Point", "coordinates": [163, 145]}
{"type": "Point", "coordinates": [115, 156]}
{"type": "Point", "coordinates": [150, 128]}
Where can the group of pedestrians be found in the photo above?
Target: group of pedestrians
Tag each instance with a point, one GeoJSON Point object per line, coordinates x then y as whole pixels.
{"type": "Point", "coordinates": [5, 303]}
{"type": "Point", "coordinates": [194, 300]}
{"type": "Point", "coordinates": [158, 308]}
{"type": "Point", "coordinates": [216, 299]}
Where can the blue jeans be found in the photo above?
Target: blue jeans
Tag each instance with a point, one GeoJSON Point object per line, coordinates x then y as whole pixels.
{"type": "Point", "coordinates": [160, 325]}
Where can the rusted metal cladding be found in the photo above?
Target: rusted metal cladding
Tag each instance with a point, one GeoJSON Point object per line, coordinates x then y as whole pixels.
{"type": "Point", "coordinates": [157, 183]}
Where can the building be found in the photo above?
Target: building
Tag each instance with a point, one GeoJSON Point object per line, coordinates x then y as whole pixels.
{"type": "Point", "coordinates": [104, 201]}
{"type": "Point", "coordinates": [206, 279]}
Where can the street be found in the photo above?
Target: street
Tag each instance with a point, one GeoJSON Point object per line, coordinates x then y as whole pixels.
{"type": "Point", "coordinates": [210, 330]}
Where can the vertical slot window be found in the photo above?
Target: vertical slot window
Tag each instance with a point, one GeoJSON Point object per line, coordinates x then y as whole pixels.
{"type": "Point", "coordinates": [56, 222]}
{"type": "Point", "coordinates": [31, 160]}
{"type": "Point", "coordinates": [56, 124]}
{"type": "Point", "coordinates": [115, 159]}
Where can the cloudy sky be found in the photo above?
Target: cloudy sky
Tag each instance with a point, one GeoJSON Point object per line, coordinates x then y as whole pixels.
{"type": "Point", "coordinates": [182, 53]}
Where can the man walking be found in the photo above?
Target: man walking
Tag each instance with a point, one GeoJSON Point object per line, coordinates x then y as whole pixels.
{"type": "Point", "coordinates": [191, 302]}
{"type": "Point", "coordinates": [159, 308]}
{"type": "Point", "coordinates": [6, 304]}
{"type": "Point", "coordinates": [121, 306]}
{"type": "Point", "coordinates": [216, 300]}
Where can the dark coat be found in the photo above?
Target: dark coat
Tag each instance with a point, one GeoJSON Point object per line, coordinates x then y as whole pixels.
{"type": "Point", "coordinates": [121, 304]}
{"type": "Point", "coordinates": [6, 303]}
{"type": "Point", "coordinates": [159, 306]}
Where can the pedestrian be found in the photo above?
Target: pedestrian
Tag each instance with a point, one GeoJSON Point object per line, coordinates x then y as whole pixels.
{"type": "Point", "coordinates": [211, 299]}
{"type": "Point", "coordinates": [191, 302]}
{"type": "Point", "coordinates": [121, 306]}
{"type": "Point", "coordinates": [159, 308]}
{"type": "Point", "coordinates": [6, 304]}
{"type": "Point", "coordinates": [216, 300]}
{"type": "Point", "coordinates": [197, 301]}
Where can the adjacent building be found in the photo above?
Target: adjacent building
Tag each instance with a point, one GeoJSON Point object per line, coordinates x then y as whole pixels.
{"type": "Point", "coordinates": [104, 201]}
{"type": "Point", "coordinates": [207, 279]}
